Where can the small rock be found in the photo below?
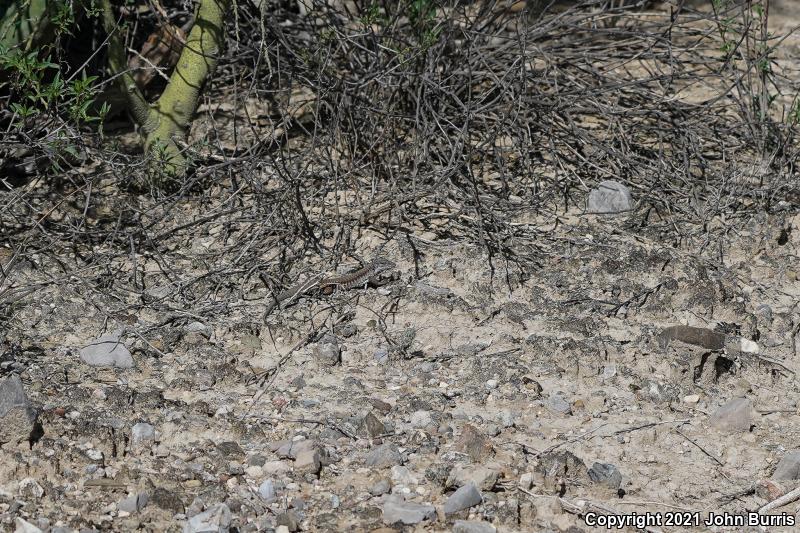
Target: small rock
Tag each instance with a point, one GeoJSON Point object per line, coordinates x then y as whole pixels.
{"type": "Point", "coordinates": [230, 449]}
{"type": "Point", "coordinates": [474, 443]}
{"type": "Point", "coordinates": [383, 456]}
{"type": "Point", "coordinates": [23, 526]}
{"type": "Point", "coordinates": [463, 498]}
{"type": "Point", "coordinates": [143, 435]}
{"type": "Point", "coordinates": [557, 404]}
{"type": "Point", "coordinates": [789, 466]}
{"type": "Point", "coordinates": [609, 197]}
{"type": "Point", "coordinates": [525, 480]}
{"type": "Point", "coordinates": [769, 489]}
{"type": "Point", "coordinates": [735, 416]}
{"type": "Point", "coordinates": [17, 415]}
{"type": "Point", "coordinates": [167, 500]}
{"type": "Point", "coordinates": [282, 529]}
{"type": "Point", "coordinates": [308, 461]}
{"type": "Point", "coordinates": [217, 519]}
{"type": "Point", "coordinates": [267, 491]}
{"type": "Point", "coordinates": [421, 419]}
{"type": "Point", "coordinates": [107, 350]}
{"type": "Point", "coordinates": [481, 476]}
{"type": "Point", "coordinates": [532, 386]}
{"type": "Point", "coordinates": [473, 526]}
{"type": "Point", "coordinates": [30, 488]}
{"type": "Point", "coordinates": [288, 519]}
{"type": "Point", "coordinates": [275, 468]}
{"type": "Point", "coordinates": [381, 487]}
{"type": "Point", "coordinates": [748, 346]}
{"type": "Point", "coordinates": [691, 399]}
{"type": "Point", "coordinates": [609, 371]}
{"type": "Point", "coordinates": [133, 503]}
{"type": "Point", "coordinates": [492, 384]}
{"type": "Point", "coordinates": [381, 355]}
{"type": "Point", "coordinates": [764, 313]}
{"type": "Point", "coordinates": [327, 350]}
{"type": "Point", "coordinates": [199, 328]}
{"type": "Point", "coordinates": [373, 425]}
{"type": "Point", "coordinates": [606, 474]}
{"type": "Point", "coordinates": [398, 511]}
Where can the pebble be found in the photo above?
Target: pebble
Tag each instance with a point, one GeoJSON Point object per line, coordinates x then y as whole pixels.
{"type": "Point", "coordinates": [373, 425]}
{"type": "Point", "coordinates": [381, 355]}
{"type": "Point", "coordinates": [29, 487]}
{"type": "Point", "coordinates": [133, 503]}
{"type": "Point", "coordinates": [383, 456]}
{"type": "Point", "coordinates": [142, 435]}
{"type": "Point", "coordinates": [380, 487]}
{"type": "Point", "coordinates": [17, 415]}
{"type": "Point", "coordinates": [308, 461]}
{"type": "Point", "coordinates": [557, 404]}
{"type": "Point", "coordinates": [474, 443]}
{"type": "Point", "coordinates": [23, 526]}
{"type": "Point", "coordinates": [327, 350]}
{"type": "Point", "coordinates": [735, 416]}
{"type": "Point", "coordinates": [691, 399]}
{"type": "Point", "coordinates": [606, 474]}
{"type": "Point", "coordinates": [107, 350]}
{"type": "Point", "coordinates": [168, 500]}
{"type": "Point", "coordinates": [421, 419]}
{"type": "Point", "coordinates": [473, 526]}
{"type": "Point", "coordinates": [482, 476]}
{"type": "Point", "coordinates": [492, 384]}
{"type": "Point", "coordinates": [789, 466]}
{"type": "Point", "coordinates": [525, 481]}
{"type": "Point", "coordinates": [267, 491]}
{"type": "Point", "coordinates": [463, 498]}
{"type": "Point", "coordinates": [216, 519]}
{"type": "Point", "coordinates": [398, 511]}
{"type": "Point", "coordinates": [609, 197]}
{"type": "Point", "coordinates": [288, 519]}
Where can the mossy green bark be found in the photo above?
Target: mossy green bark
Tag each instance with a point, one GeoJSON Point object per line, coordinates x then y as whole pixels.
{"type": "Point", "coordinates": [165, 123]}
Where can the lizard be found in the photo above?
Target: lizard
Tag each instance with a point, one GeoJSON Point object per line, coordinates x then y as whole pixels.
{"type": "Point", "coordinates": [317, 284]}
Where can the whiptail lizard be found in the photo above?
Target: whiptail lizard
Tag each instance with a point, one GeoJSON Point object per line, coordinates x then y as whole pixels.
{"type": "Point", "coordinates": [317, 284]}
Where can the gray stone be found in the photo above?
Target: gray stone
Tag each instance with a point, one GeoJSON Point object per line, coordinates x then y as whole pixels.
{"type": "Point", "coordinates": [23, 526]}
{"type": "Point", "coordinates": [381, 487]}
{"type": "Point", "coordinates": [327, 350]}
{"type": "Point", "coordinates": [107, 350]}
{"type": "Point", "coordinates": [421, 419]}
{"type": "Point", "coordinates": [764, 313]}
{"type": "Point", "coordinates": [735, 416]}
{"type": "Point", "coordinates": [473, 526]}
{"type": "Point", "coordinates": [169, 500]}
{"type": "Point", "coordinates": [789, 466]}
{"type": "Point", "coordinates": [142, 435]}
{"type": "Point", "coordinates": [288, 519]}
{"type": "Point", "coordinates": [609, 197]}
{"type": "Point", "coordinates": [17, 415]}
{"type": "Point", "coordinates": [267, 491]}
{"type": "Point", "coordinates": [384, 455]}
{"type": "Point", "coordinates": [463, 498]}
{"type": "Point", "coordinates": [373, 425]}
{"type": "Point", "coordinates": [482, 476]}
{"type": "Point", "coordinates": [556, 403]}
{"type": "Point", "coordinates": [381, 355]}
{"type": "Point", "coordinates": [217, 519]}
{"type": "Point", "coordinates": [308, 461]}
{"type": "Point", "coordinates": [398, 511]}
{"type": "Point", "coordinates": [133, 503]}
{"type": "Point", "coordinates": [606, 474]}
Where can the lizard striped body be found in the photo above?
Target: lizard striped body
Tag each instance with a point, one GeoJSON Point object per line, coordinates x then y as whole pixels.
{"type": "Point", "coordinates": [318, 284]}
